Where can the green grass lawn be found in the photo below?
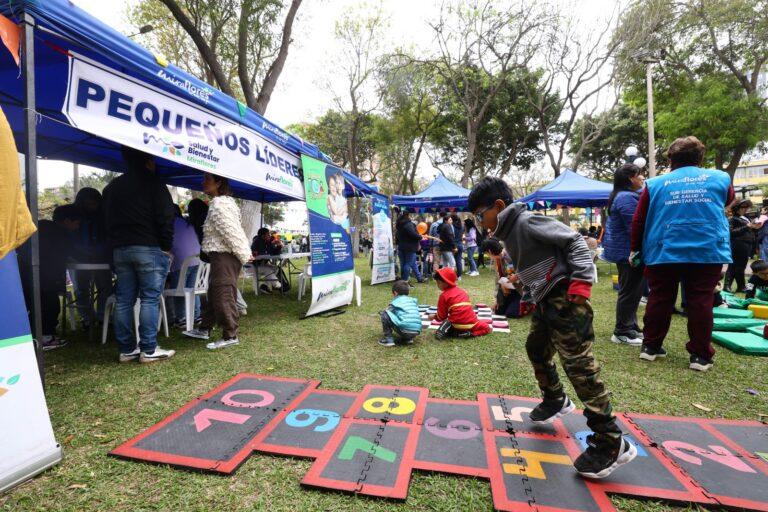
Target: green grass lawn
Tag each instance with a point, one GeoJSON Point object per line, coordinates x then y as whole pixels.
{"type": "Point", "coordinates": [96, 404]}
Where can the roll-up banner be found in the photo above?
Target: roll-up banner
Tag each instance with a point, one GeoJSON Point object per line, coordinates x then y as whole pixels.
{"type": "Point", "coordinates": [333, 269]}
{"type": "Point", "coordinates": [27, 444]}
{"type": "Point", "coordinates": [383, 250]}
{"type": "Point", "coordinates": [120, 108]}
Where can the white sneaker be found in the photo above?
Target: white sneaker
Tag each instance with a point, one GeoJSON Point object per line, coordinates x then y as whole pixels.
{"type": "Point", "coordinates": [159, 354]}
{"type": "Point", "coordinates": [222, 343]}
{"type": "Point", "coordinates": [626, 340]}
{"type": "Point", "coordinates": [197, 333]}
{"type": "Point", "coordinates": [130, 356]}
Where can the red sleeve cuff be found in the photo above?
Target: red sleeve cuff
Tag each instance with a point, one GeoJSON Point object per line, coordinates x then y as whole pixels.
{"type": "Point", "coordinates": [582, 288]}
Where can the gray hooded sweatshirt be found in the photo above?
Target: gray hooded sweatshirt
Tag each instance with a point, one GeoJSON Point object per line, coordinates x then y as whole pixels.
{"type": "Point", "coordinates": [544, 251]}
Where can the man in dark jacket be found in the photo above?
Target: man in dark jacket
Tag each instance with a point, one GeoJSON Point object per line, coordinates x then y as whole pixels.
{"type": "Point", "coordinates": [447, 242]}
{"type": "Point", "coordinates": [408, 244]}
{"type": "Point", "coordinates": [139, 216]}
{"type": "Point", "coordinates": [56, 247]}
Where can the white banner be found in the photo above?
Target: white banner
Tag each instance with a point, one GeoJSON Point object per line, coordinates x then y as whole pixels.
{"type": "Point", "coordinates": [27, 444]}
{"type": "Point", "coordinates": [119, 108]}
{"type": "Point", "coordinates": [383, 248]}
{"type": "Point", "coordinates": [331, 291]}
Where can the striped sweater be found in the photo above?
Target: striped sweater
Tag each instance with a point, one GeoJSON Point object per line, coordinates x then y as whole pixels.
{"type": "Point", "coordinates": [544, 252]}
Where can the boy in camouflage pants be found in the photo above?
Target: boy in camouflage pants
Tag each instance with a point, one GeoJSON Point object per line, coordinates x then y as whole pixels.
{"type": "Point", "coordinates": [554, 269]}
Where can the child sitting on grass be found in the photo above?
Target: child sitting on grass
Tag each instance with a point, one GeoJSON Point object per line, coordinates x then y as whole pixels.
{"type": "Point", "coordinates": [401, 321]}
{"type": "Point", "coordinates": [554, 265]}
{"type": "Point", "coordinates": [455, 310]}
{"type": "Point", "coordinates": [757, 288]}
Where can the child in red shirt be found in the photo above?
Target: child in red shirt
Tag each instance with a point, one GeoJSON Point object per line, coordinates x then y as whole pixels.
{"type": "Point", "coordinates": [454, 309]}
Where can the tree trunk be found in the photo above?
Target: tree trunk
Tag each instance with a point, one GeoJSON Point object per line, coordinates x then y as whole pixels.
{"type": "Point", "coordinates": [471, 148]}
{"type": "Point", "coordinates": [738, 152]}
{"type": "Point", "coordinates": [273, 73]}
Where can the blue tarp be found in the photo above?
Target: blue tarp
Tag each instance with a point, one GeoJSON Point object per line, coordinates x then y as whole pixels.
{"type": "Point", "coordinates": [62, 27]}
{"type": "Point", "coordinates": [440, 194]}
{"type": "Point", "coordinates": [570, 189]}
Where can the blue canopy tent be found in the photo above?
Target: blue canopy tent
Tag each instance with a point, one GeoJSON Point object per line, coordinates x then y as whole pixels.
{"type": "Point", "coordinates": [65, 35]}
{"type": "Point", "coordinates": [441, 194]}
{"type": "Point", "coordinates": [570, 189]}
{"type": "Point", "coordinates": [85, 90]}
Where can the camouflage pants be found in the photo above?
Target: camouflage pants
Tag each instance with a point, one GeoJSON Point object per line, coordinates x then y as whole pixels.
{"type": "Point", "coordinates": [558, 325]}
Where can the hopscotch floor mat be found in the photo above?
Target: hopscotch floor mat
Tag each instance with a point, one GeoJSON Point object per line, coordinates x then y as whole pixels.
{"type": "Point", "coordinates": [370, 442]}
{"type": "Point", "coordinates": [498, 323]}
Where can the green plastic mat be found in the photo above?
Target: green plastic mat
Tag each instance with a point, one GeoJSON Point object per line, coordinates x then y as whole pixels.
{"type": "Point", "coordinates": [756, 329]}
{"type": "Point", "coordinates": [738, 324]}
{"type": "Point", "coordinates": [742, 342]}
{"type": "Point", "coordinates": [732, 313]}
{"type": "Point", "coordinates": [738, 303]}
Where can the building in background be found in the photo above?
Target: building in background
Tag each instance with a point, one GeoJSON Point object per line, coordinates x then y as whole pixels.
{"type": "Point", "coordinates": [752, 174]}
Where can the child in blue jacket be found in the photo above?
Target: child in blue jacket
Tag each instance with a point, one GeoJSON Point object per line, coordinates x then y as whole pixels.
{"type": "Point", "coordinates": [401, 321]}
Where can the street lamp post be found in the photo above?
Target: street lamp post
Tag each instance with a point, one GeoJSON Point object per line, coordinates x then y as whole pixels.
{"type": "Point", "coordinates": [651, 138]}
{"type": "Point", "coordinates": [650, 58]}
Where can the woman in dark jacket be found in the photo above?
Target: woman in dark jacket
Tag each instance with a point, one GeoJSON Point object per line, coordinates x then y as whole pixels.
{"type": "Point", "coordinates": [408, 240]}
{"type": "Point", "coordinates": [742, 239]}
{"type": "Point", "coordinates": [627, 182]}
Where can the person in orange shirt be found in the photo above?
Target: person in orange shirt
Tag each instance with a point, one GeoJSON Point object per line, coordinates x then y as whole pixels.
{"type": "Point", "coordinates": [455, 310]}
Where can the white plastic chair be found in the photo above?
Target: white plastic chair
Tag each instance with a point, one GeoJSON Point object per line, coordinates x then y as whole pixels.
{"type": "Point", "coordinates": [201, 288]}
{"type": "Point", "coordinates": [594, 255]}
{"type": "Point", "coordinates": [109, 305]}
{"type": "Point", "coordinates": [304, 278]}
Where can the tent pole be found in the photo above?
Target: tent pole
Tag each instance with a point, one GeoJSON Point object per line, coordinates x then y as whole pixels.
{"type": "Point", "coordinates": [30, 178]}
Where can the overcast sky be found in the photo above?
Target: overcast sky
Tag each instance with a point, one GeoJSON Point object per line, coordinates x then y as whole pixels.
{"type": "Point", "coordinates": [301, 93]}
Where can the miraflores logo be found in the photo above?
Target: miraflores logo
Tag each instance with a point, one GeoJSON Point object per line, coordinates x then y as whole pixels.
{"type": "Point", "coordinates": [279, 179]}
{"type": "Point", "coordinates": [5, 385]}
{"type": "Point", "coordinates": [172, 148]}
{"type": "Point", "coordinates": [692, 179]}
{"type": "Point", "coordinates": [202, 93]}
{"type": "Point", "coordinates": [275, 130]}
{"type": "Point", "coordinates": [336, 289]}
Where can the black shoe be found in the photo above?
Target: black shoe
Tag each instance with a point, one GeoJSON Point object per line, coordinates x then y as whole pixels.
{"type": "Point", "coordinates": [600, 459]}
{"type": "Point", "coordinates": [700, 364]}
{"type": "Point", "coordinates": [551, 409]}
{"type": "Point", "coordinates": [649, 354]}
{"type": "Point", "coordinates": [387, 342]}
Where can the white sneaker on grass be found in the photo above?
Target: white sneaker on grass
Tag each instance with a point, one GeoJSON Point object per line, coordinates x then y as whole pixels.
{"type": "Point", "coordinates": [222, 343]}
{"type": "Point", "coordinates": [626, 340]}
{"type": "Point", "coordinates": [159, 354]}
{"type": "Point", "coordinates": [200, 334]}
{"type": "Point", "coordinates": [130, 357]}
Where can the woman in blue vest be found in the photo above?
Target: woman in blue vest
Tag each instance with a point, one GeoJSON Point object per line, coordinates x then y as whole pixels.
{"type": "Point", "coordinates": [680, 233]}
{"type": "Point", "coordinates": [622, 203]}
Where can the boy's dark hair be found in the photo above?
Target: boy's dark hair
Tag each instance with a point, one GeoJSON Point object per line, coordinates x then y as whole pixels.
{"type": "Point", "coordinates": [261, 232]}
{"type": "Point", "coordinates": [487, 191]}
{"type": "Point", "coordinates": [444, 215]}
{"type": "Point", "coordinates": [135, 159]}
{"type": "Point", "coordinates": [686, 151]}
{"type": "Point", "coordinates": [583, 231]}
{"type": "Point", "coordinates": [401, 287]}
{"type": "Point", "coordinates": [759, 266]}
{"type": "Point", "coordinates": [491, 245]}
{"type": "Point", "coordinates": [66, 212]}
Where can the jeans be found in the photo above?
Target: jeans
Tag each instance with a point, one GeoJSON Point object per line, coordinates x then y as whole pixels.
{"type": "Point", "coordinates": [459, 260]}
{"type": "Point", "coordinates": [177, 311]}
{"type": "Point", "coordinates": [630, 291]}
{"type": "Point", "coordinates": [471, 258]}
{"type": "Point", "coordinates": [447, 259]}
{"type": "Point", "coordinates": [391, 331]}
{"type": "Point", "coordinates": [699, 281]}
{"type": "Point", "coordinates": [763, 250]}
{"type": "Point", "coordinates": [740, 252]}
{"type": "Point", "coordinates": [141, 272]}
{"type": "Point", "coordinates": [408, 263]}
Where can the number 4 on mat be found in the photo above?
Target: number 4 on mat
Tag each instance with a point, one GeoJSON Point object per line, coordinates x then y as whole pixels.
{"type": "Point", "coordinates": [355, 443]}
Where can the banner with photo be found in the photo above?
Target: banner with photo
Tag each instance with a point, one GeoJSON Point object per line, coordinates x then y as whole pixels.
{"type": "Point", "coordinates": [383, 248]}
{"type": "Point", "coordinates": [330, 244]}
{"type": "Point", "coordinates": [27, 443]}
{"type": "Point", "coordinates": [104, 102]}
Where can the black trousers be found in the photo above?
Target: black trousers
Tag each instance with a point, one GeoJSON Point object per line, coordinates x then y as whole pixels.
{"type": "Point", "coordinates": [630, 292]}
{"type": "Point", "coordinates": [740, 252]}
{"type": "Point", "coordinates": [50, 307]}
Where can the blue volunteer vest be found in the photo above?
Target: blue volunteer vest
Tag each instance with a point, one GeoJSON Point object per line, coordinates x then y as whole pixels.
{"type": "Point", "coordinates": [686, 218]}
